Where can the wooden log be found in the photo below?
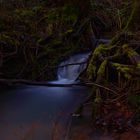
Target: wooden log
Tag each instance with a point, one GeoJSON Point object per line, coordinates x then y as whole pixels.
{"type": "Point", "coordinates": [11, 82]}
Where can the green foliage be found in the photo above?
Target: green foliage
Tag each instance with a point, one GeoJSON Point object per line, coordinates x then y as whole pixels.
{"type": "Point", "coordinates": [138, 65]}
{"type": "Point", "coordinates": [127, 71]}
{"type": "Point", "coordinates": [52, 15]}
{"type": "Point", "coordinates": [65, 14]}
{"type": "Point", "coordinates": [24, 13]}
{"type": "Point", "coordinates": [37, 9]}
{"type": "Point", "coordinates": [132, 15]}
{"type": "Point", "coordinates": [54, 43]}
{"type": "Point", "coordinates": [8, 39]}
{"type": "Point", "coordinates": [134, 100]}
{"type": "Point", "coordinates": [69, 31]}
{"type": "Point", "coordinates": [2, 26]}
{"type": "Point", "coordinates": [129, 51]}
{"type": "Point", "coordinates": [70, 13]}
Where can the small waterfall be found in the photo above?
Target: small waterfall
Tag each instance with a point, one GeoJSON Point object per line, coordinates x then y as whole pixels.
{"type": "Point", "coordinates": [70, 69]}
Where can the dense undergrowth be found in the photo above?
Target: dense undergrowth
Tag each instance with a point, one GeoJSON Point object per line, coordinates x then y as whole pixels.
{"type": "Point", "coordinates": [114, 70]}
{"type": "Point", "coordinates": [36, 35]}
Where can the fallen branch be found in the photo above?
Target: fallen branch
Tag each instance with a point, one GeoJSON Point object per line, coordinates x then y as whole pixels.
{"type": "Point", "coordinates": [45, 83]}
{"type": "Point", "coordinates": [11, 82]}
{"type": "Point", "coordinates": [100, 86]}
{"type": "Point", "coordinates": [60, 66]}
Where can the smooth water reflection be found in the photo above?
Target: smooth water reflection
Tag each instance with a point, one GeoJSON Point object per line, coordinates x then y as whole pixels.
{"type": "Point", "coordinates": [22, 106]}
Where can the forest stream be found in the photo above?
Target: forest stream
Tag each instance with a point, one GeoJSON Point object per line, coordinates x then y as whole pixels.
{"type": "Point", "coordinates": [36, 112]}
{"type": "Point", "coordinates": [45, 113]}
{"type": "Point", "coordinates": [69, 70]}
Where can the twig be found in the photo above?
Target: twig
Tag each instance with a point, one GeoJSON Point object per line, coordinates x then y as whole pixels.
{"type": "Point", "coordinates": [100, 86]}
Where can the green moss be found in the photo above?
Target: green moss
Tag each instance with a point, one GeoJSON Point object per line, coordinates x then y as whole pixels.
{"type": "Point", "coordinates": [55, 42]}
{"type": "Point", "coordinates": [129, 51]}
{"type": "Point", "coordinates": [66, 14]}
{"type": "Point", "coordinates": [69, 31]}
{"type": "Point", "coordinates": [132, 15]}
{"type": "Point", "coordinates": [37, 9]}
{"type": "Point", "coordinates": [123, 69]}
{"type": "Point", "coordinates": [92, 67]}
{"type": "Point", "coordinates": [138, 65]}
{"type": "Point", "coordinates": [70, 13]}
{"type": "Point", "coordinates": [91, 71]}
{"type": "Point", "coordinates": [7, 39]}
{"type": "Point", "coordinates": [52, 15]}
{"type": "Point", "coordinates": [24, 13]}
{"type": "Point", "coordinates": [101, 49]}
{"type": "Point", "coordinates": [116, 38]}
{"type": "Point", "coordinates": [102, 68]}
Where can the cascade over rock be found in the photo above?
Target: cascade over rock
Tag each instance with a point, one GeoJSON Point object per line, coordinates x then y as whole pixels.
{"type": "Point", "coordinates": [71, 72]}
{"type": "Point", "coordinates": [70, 69]}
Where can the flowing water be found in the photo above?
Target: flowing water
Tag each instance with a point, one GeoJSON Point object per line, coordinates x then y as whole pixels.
{"type": "Point", "coordinates": [70, 69]}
